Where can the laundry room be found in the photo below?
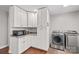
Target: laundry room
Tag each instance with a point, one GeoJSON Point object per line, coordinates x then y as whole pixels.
{"type": "Point", "coordinates": [65, 20]}
{"type": "Point", "coordinates": [39, 29]}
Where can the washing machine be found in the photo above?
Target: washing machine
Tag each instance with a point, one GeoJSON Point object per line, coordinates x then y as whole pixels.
{"type": "Point", "coordinates": [58, 40]}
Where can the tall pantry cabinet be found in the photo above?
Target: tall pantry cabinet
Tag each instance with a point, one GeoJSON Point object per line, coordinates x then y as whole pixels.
{"type": "Point", "coordinates": [42, 41]}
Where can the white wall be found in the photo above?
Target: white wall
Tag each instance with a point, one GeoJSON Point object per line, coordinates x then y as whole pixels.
{"type": "Point", "coordinates": [63, 22]}
{"type": "Point", "coordinates": [3, 29]}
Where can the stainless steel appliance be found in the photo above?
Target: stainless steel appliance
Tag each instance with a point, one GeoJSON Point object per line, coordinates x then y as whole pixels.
{"type": "Point", "coordinates": [71, 41]}
{"type": "Point", "coordinates": [58, 40]}
{"type": "Point", "coordinates": [19, 32]}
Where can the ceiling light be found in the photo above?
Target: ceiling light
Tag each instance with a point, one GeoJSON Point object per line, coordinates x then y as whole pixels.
{"type": "Point", "coordinates": [65, 5]}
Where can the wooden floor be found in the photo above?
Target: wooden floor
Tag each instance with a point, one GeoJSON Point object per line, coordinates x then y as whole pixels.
{"type": "Point", "coordinates": [4, 50]}
{"type": "Point", "coordinates": [36, 51]}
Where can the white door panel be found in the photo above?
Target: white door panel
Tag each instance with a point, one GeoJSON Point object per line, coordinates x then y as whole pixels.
{"type": "Point", "coordinates": [32, 19]}
{"type": "Point", "coordinates": [21, 45]}
{"type": "Point", "coordinates": [42, 30]}
{"type": "Point", "coordinates": [19, 17]}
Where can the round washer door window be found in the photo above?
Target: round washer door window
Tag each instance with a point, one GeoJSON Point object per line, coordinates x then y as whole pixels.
{"type": "Point", "coordinates": [57, 40]}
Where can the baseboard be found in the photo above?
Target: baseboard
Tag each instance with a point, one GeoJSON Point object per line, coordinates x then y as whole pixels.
{"type": "Point", "coordinates": [3, 46]}
{"type": "Point", "coordinates": [40, 48]}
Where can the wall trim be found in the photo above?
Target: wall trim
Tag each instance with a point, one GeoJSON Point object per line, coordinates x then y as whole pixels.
{"type": "Point", "coordinates": [3, 46]}
{"type": "Point", "coordinates": [40, 48]}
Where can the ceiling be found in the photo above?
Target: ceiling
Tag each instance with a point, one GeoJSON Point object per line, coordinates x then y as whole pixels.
{"type": "Point", "coordinates": [60, 9]}
{"type": "Point", "coordinates": [53, 9]}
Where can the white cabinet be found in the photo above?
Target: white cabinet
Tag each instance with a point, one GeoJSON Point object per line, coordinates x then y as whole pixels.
{"type": "Point", "coordinates": [27, 42]}
{"type": "Point", "coordinates": [32, 19]}
{"type": "Point", "coordinates": [19, 44]}
{"type": "Point", "coordinates": [42, 30]}
{"type": "Point", "coordinates": [18, 16]}
{"type": "Point", "coordinates": [24, 19]}
{"type": "Point", "coordinates": [24, 44]}
{"type": "Point", "coordinates": [42, 41]}
{"type": "Point", "coordinates": [32, 39]}
{"type": "Point", "coordinates": [13, 45]}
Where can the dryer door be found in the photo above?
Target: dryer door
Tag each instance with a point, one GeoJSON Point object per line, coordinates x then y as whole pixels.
{"type": "Point", "coordinates": [57, 40]}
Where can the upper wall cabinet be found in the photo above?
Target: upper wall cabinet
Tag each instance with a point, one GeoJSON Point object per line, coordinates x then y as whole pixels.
{"type": "Point", "coordinates": [18, 17]}
{"type": "Point", "coordinates": [24, 19]}
{"type": "Point", "coordinates": [32, 19]}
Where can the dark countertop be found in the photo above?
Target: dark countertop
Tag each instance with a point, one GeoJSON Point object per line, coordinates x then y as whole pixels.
{"type": "Point", "coordinates": [29, 34]}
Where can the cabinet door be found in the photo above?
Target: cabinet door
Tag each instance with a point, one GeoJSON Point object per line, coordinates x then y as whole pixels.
{"type": "Point", "coordinates": [43, 38]}
{"type": "Point", "coordinates": [42, 29]}
{"type": "Point", "coordinates": [24, 19]}
{"type": "Point", "coordinates": [17, 16]}
{"type": "Point", "coordinates": [42, 18]}
{"type": "Point", "coordinates": [20, 17]}
{"type": "Point", "coordinates": [27, 43]}
{"type": "Point", "coordinates": [32, 19]}
{"type": "Point", "coordinates": [35, 20]}
{"type": "Point", "coordinates": [31, 39]}
{"type": "Point", "coordinates": [34, 41]}
{"type": "Point", "coordinates": [21, 45]}
{"type": "Point", "coordinates": [24, 44]}
{"type": "Point", "coordinates": [13, 45]}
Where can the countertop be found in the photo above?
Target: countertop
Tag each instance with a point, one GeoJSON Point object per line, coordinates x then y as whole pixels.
{"type": "Point", "coordinates": [30, 34]}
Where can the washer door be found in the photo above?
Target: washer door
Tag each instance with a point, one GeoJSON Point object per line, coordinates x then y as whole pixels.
{"type": "Point", "coordinates": [57, 40]}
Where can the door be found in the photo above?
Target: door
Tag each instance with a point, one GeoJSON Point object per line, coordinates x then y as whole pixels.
{"type": "Point", "coordinates": [13, 45]}
{"type": "Point", "coordinates": [27, 42]}
{"type": "Point", "coordinates": [20, 17]}
{"type": "Point", "coordinates": [42, 30]}
{"type": "Point", "coordinates": [33, 40]}
{"type": "Point", "coordinates": [17, 16]}
{"type": "Point", "coordinates": [24, 19]}
{"type": "Point", "coordinates": [32, 19]}
{"type": "Point", "coordinates": [21, 45]}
